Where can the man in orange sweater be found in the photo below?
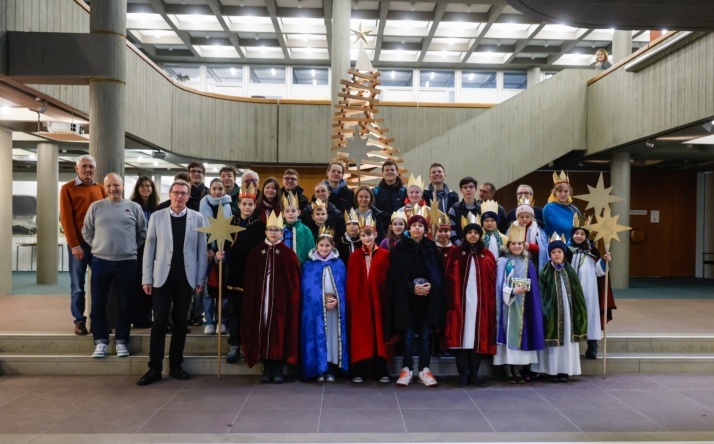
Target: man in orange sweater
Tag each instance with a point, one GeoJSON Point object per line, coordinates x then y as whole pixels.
{"type": "Point", "coordinates": [75, 198]}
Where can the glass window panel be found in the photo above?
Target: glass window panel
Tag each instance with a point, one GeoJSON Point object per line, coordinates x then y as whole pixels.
{"type": "Point", "coordinates": [430, 78]}
{"type": "Point", "coordinates": [397, 77]}
{"type": "Point", "coordinates": [224, 74]}
{"type": "Point", "coordinates": [479, 79]}
{"type": "Point", "coordinates": [184, 72]}
{"type": "Point", "coordinates": [267, 74]}
{"type": "Point", "coordinates": [310, 76]}
{"type": "Point", "coordinates": [515, 80]}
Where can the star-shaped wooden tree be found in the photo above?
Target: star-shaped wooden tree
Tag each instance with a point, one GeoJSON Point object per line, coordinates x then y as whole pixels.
{"type": "Point", "coordinates": [355, 117]}
{"type": "Point", "coordinates": [220, 230]}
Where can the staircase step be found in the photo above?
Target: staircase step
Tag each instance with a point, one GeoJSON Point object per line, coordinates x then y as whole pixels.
{"type": "Point", "coordinates": [71, 354]}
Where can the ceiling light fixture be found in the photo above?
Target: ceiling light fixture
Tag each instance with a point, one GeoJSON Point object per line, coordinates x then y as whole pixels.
{"type": "Point", "coordinates": [233, 71]}
{"type": "Point", "coordinates": [471, 76]}
{"type": "Point", "coordinates": [314, 82]}
{"type": "Point", "coordinates": [392, 74]}
{"type": "Point", "coordinates": [427, 83]}
{"type": "Point", "coordinates": [664, 31]}
{"type": "Point", "coordinates": [272, 71]}
{"type": "Point", "coordinates": [312, 72]}
{"type": "Point", "coordinates": [431, 76]}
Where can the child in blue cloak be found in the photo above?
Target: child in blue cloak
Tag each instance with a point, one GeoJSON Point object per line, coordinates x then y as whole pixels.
{"type": "Point", "coordinates": [323, 338]}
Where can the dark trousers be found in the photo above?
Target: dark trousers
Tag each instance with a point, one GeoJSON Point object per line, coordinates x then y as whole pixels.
{"type": "Point", "coordinates": [123, 275]}
{"type": "Point", "coordinates": [376, 366]}
{"type": "Point", "coordinates": [467, 362]}
{"type": "Point", "coordinates": [178, 292]}
{"type": "Point", "coordinates": [235, 302]}
{"type": "Point", "coordinates": [421, 329]}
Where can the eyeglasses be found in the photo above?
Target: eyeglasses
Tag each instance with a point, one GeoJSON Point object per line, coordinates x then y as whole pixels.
{"type": "Point", "coordinates": [196, 171]}
{"type": "Point", "coordinates": [274, 230]}
{"type": "Point", "coordinates": [290, 179]}
{"type": "Point", "coordinates": [251, 181]}
{"type": "Point", "coordinates": [179, 193]}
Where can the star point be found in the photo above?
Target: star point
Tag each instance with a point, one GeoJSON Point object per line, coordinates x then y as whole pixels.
{"type": "Point", "coordinates": [220, 229]}
{"type": "Point", "coordinates": [361, 34]}
{"type": "Point", "coordinates": [599, 197]}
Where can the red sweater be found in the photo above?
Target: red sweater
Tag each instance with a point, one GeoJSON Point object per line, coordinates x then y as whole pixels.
{"type": "Point", "coordinates": [74, 203]}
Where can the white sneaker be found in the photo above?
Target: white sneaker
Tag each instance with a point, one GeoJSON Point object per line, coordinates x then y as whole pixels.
{"type": "Point", "coordinates": [100, 351]}
{"type": "Point", "coordinates": [223, 329]}
{"type": "Point", "coordinates": [405, 377]}
{"type": "Point", "coordinates": [122, 350]}
{"type": "Point", "coordinates": [426, 378]}
{"type": "Point", "coordinates": [209, 329]}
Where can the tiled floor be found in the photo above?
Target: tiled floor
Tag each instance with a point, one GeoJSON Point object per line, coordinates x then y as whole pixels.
{"type": "Point", "coordinates": [237, 408]}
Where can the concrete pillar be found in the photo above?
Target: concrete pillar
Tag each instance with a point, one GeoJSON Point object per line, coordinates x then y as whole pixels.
{"type": "Point", "coordinates": [340, 51]}
{"type": "Point", "coordinates": [534, 76]}
{"type": "Point", "coordinates": [621, 45]}
{"type": "Point", "coordinates": [620, 181]}
{"type": "Point", "coordinates": [6, 215]}
{"type": "Point", "coordinates": [47, 213]}
{"type": "Point", "coordinates": [107, 95]}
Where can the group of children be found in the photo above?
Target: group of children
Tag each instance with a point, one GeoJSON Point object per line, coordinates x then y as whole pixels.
{"type": "Point", "coordinates": [342, 305]}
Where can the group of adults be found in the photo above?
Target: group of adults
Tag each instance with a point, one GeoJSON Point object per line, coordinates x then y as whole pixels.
{"type": "Point", "coordinates": [140, 243]}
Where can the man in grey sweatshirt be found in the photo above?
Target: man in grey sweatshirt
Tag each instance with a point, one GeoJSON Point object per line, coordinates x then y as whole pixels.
{"type": "Point", "coordinates": [114, 228]}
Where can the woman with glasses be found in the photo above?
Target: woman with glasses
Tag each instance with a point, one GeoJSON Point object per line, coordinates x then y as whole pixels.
{"type": "Point", "coordinates": [144, 194]}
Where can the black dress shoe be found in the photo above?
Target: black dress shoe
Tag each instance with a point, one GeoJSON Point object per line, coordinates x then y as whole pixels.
{"type": "Point", "coordinates": [562, 377]}
{"type": "Point", "coordinates": [278, 376]}
{"type": "Point", "coordinates": [179, 373]}
{"type": "Point", "coordinates": [267, 376]}
{"type": "Point", "coordinates": [149, 377]}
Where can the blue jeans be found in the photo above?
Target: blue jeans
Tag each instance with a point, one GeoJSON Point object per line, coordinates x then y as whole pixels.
{"type": "Point", "coordinates": [123, 274]}
{"type": "Point", "coordinates": [210, 310]}
{"type": "Point", "coordinates": [77, 275]}
{"type": "Point", "coordinates": [421, 328]}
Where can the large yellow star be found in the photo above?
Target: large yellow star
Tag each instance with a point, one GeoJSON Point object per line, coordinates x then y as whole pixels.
{"type": "Point", "coordinates": [220, 229]}
{"type": "Point", "coordinates": [599, 197]}
{"type": "Point", "coordinates": [607, 228]}
{"type": "Point", "coordinates": [361, 34]}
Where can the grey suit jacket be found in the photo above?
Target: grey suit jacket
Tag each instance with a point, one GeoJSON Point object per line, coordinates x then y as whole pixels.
{"type": "Point", "coordinates": [158, 249]}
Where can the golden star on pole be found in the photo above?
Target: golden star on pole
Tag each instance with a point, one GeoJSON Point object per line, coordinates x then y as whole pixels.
{"type": "Point", "coordinates": [599, 197]}
{"type": "Point", "coordinates": [220, 229]}
{"type": "Point", "coordinates": [361, 34]}
{"type": "Point", "coordinates": [607, 228]}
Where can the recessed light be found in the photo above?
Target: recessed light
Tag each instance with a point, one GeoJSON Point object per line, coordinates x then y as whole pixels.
{"type": "Point", "coordinates": [156, 164]}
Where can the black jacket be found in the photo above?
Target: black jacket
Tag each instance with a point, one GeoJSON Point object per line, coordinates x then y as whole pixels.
{"type": "Point", "coordinates": [455, 214]}
{"type": "Point", "coordinates": [389, 198]}
{"type": "Point", "coordinates": [302, 200]}
{"type": "Point", "coordinates": [402, 259]}
{"type": "Point", "coordinates": [451, 197]}
{"type": "Point", "coordinates": [335, 219]}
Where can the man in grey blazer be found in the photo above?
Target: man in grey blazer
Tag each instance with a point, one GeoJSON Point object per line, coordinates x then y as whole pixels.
{"type": "Point", "coordinates": [174, 265]}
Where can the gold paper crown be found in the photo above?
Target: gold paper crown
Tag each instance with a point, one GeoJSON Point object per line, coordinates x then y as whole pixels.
{"type": "Point", "coordinates": [248, 191]}
{"type": "Point", "coordinates": [325, 231]}
{"type": "Point", "coordinates": [421, 210]}
{"type": "Point", "coordinates": [525, 200]}
{"type": "Point", "coordinates": [577, 224]}
{"type": "Point", "coordinates": [517, 233]}
{"type": "Point", "coordinates": [563, 178]}
{"type": "Point", "coordinates": [415, 181]}
{"type": "Point", "coordinates": [365, 222]}
{"type": "Point", "coordinates": [399, 214]}
{"type": "Point", "coordinates": [469, 219]}
{"type": "Point", "coordinates": [318, 203]}
{"type": "Point", "coordinates": [290, 199]}
{"type": "Point", "coordinates": [556, 237]}
{"type": "Point", "coordinates": [275, 220]}
{"type": "Point", "coordinates": [489, 205]}
{"type": "Point", "coordinates": [351, 216]}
